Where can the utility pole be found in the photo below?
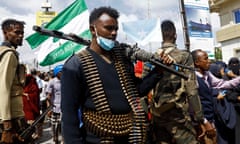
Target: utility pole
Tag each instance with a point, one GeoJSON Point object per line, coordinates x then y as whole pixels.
{"type": "Point", "coordinates": [149, 16]}
{"type": "Point", "coordinates": [148, 9]}
{"type": "Point", "coordinates": [185, 27]}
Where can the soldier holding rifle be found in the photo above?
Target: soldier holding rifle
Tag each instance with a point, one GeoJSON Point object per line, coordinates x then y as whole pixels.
{"type": "Point", "coordinates": [174, 97]}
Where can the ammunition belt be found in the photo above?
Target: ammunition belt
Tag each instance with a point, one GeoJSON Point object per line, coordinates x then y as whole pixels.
{"type": "Point", "coordinates": [103, 124]}
{"type": "Point", "coordinates": [94, 82]}
{"type": "Point", "coordinates": [137, 128]}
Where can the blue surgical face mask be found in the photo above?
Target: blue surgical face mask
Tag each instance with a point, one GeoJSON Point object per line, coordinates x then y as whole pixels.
{"type": "Point", "coordinates": [106, 44]}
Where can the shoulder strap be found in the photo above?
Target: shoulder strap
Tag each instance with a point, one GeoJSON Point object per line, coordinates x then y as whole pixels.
{"type": "Point", "coordinates": [5, 51]}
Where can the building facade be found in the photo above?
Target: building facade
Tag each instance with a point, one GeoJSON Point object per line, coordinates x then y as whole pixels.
{"type": "Point", "coordinates": [229, 33]}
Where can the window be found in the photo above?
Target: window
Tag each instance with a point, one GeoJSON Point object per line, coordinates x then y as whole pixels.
{"type": "Point", "coordinates": [237, 15]}
{"type": "Point", "coordinates": [237, 51]}
{"type": "Point", "coordinates": [225, 18]}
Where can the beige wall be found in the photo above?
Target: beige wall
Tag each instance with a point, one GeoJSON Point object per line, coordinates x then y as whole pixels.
{"type": "Point", "coordinates": [225, 9]}
{"type": "Point", "coordinates": [229, 33]}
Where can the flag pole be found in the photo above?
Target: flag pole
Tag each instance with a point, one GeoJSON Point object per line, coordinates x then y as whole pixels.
{"type": "Point", "coordinates": [184, 23]}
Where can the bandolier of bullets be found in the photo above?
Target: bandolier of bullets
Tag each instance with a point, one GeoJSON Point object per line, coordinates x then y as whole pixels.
{"type": "Point", "coordinates": [94, 82]}
{"type": "Point", "coordinates": [109, 125]}
{"type": "Point", "coordinates": [102, 123]}
{"type": "Point", "coordinates": [139, 129]}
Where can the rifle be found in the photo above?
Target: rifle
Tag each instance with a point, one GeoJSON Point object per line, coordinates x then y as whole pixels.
{"type": "Point", "coordinates": [27, 133]}
{"type": "Point", "coordinates": [132, 51]}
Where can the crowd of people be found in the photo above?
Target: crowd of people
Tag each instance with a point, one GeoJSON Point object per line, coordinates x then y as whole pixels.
{"type": "Point", "coordinates": [97, 97]}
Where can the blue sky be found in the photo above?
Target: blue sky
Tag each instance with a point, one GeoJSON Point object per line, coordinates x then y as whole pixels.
{"type": "Point", "coordinates": [130, 10]}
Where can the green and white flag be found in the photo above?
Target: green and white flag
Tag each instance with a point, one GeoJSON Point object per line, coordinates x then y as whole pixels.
{"type": "Point", "coordinates": [73, 19]}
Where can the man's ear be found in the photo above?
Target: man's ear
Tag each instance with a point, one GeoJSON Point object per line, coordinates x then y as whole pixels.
{"type": "Point", "coordinates": [4, 32]}
{"type": "Point", "coordinates": [92, 29]}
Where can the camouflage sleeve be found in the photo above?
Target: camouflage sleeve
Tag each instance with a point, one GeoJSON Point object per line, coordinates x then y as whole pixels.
{"type": "Point", "coordinates": [192, 92]}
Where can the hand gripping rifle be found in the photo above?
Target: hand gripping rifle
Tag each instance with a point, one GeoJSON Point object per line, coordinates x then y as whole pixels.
{"type": "Point", "coordinates": [132, 51]}
{"type": "Point", "coordinates": [27, 133]}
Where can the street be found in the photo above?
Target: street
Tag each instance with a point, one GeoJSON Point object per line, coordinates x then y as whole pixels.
{"type": "Point", "coordinates": [46, 137]}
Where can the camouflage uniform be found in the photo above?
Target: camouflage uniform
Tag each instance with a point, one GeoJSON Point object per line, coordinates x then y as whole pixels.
{"type": "Point", "coordinates": [171, 100]}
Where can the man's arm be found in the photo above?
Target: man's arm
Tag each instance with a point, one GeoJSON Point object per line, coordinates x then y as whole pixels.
{"type": "Point", "coordinates": [223, 84]}
{"type": "Point", "coordinates": [151, 79]}
{"type": "Point", "coordinates": [72, 92]}
{"type": "Point", "coordinates": [8, 66]}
